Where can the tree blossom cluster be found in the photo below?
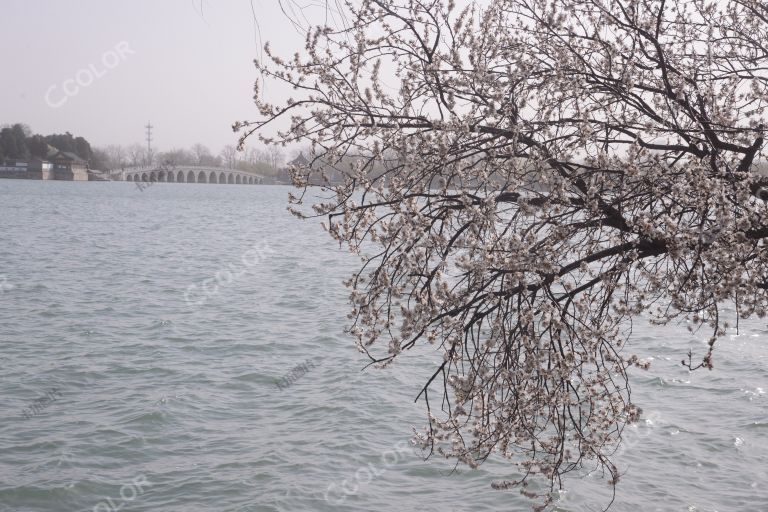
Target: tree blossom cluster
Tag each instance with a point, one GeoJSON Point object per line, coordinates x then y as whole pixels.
{"type": "Point", "coordinates": [522, 179]}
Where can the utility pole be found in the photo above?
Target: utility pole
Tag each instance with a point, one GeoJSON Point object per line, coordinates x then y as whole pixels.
{"type": "Point", "coordinates": [149, 142]}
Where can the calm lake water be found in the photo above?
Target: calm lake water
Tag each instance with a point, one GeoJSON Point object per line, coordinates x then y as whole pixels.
{"type": "Point", "coordinates": [143, 334]}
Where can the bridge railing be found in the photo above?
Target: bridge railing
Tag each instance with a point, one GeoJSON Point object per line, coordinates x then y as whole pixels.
{"type": "Point", "coordinates": [122, 173]}
{"type": "Point", "coordinates": [149, 168]}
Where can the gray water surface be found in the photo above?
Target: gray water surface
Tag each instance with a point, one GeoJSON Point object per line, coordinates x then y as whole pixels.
{"type": "Point", "coordinates": [143, 335]}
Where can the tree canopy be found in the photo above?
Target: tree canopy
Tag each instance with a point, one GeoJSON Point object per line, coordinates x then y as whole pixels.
{"type": "Point", "coordinates": [18, 142]}
{"type": "Point", "coordinates": [552, 169]}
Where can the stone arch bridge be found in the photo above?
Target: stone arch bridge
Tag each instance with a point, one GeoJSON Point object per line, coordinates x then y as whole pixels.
{"type": "Point", "coordinates": [190, 174]}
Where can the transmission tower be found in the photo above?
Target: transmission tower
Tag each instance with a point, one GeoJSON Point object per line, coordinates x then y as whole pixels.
{"type": "Point", "coordinates": [149, 142]}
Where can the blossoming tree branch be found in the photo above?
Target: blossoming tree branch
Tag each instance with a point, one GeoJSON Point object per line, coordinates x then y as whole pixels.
{"type": "Point", "coordinates": [521, 179]}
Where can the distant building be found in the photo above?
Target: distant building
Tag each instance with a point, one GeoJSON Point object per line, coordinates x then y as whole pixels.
{"type": "Point", "coordinates": [68, 166]}
{"type": "Point", "coordinates": [58, 165]}
{"type": "Point", "coordinates": [299, 161]}
{"type": "Point", "coordinates": [35, 169]}
{"type": "Point", "coordinates": [13, 169]}
{"type": "Point", "coordinates": [39, 169]}
{"type": "Point", "coordinates": [94, 175]}
{"type": "Point", "coordinates": [284, 175]}
{"type": "Point", "coordinates": [317, 171]}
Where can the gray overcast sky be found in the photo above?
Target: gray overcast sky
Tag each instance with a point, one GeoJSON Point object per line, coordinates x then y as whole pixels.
{"type": "Point", "coordinates": [187, 70]}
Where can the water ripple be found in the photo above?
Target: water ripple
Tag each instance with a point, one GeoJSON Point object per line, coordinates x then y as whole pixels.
{"type": "Point", "coordinates": [186, 395]}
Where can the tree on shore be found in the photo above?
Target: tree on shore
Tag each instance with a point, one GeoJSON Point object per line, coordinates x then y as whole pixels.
{"type": "Point", "coordinates": [201, 152]}
{"type": "Point", "coordinates": [137, 154]}
{"type": "Point", "coordinates": [17, 141]}
{"type": "Point", "coordinates": [68, 142]}
{"type": "Point", "coordinates": [117, 156]}
{"type": "Point", "coordinates": [38, 147]}
{"type": "Point", "coordinates": [229, 156]}
{"type": "Point", "coordinates": [551, 169]}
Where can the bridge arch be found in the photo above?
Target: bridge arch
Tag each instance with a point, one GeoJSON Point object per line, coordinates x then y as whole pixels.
{"type": "Point", "coordinates": [190, 174]}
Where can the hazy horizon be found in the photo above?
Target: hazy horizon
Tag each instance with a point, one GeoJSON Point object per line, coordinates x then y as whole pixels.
{"type": "Point", "coordinates": [102, 70]}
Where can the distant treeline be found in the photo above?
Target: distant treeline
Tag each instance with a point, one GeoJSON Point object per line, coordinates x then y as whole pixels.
{"type": "Point", "coordinates": [18, 142]}
{"type": "Point", "coordinates": [267, 161]}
